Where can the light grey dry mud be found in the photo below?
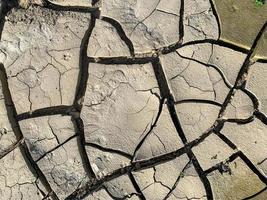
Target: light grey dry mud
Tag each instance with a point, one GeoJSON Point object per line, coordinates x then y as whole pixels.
{"type": "Point", "coordinates": [136, 99]}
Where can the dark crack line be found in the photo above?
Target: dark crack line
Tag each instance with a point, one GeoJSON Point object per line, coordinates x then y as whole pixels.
{"type": "Point", "coordinates": [79, 126]}
{"type": "Point", "coordinates": [55, 148]}
{"type": "Point", "coordinates": [201, 175]}
{"type": "Point", "coordinates": [262, 177]}
{"type": "Point", "coordinates": [261, 162]}
{"type": "Point", "coordinates": [121, 33]}
{"type": "Point", "coordinates": [10, 148]}
{"type": "Point", "coordinates": [165, 92]}
{"type": "Point", "coordinates": [255, 195]}
{"type": "Point", "coordinates": [161, 79]}
{"type": "Point", "coordinates": [121, 60]}
{"type": "Point", "coordinates": [253, 98]}
{"type": "Point", "coordinates": [181, 21]}
{"type": "Point", "coordinates": [262, 60]}
{"type": "Point", "coordinates": [240, 121]}
{"type": "Point", "coordinates": [217, 42]}
{"type": "Point", "coordinates": [256, 104]}
{"type": "Point", "coordinates": [170, 48]}
{"type": "Point", "coordinates": [214, 11]}
{"type": "Point", "coordinates": [84, 66]}
{"type": "Point", "coordinates": [54, 110]}
{"type": "Point", "coordinates": [12, 115]}
{"type": "Point", "coordinates": [253, 167]}
{"type": "Point", "coordinates": [109, 150]}
{"type": "Point", "coordinates": [261, 117]}
{"type": "Point", "coordinates": [203, 101]}
{"type": "Point", "coordinates": [136, 187]}
{"type": "Point", "coordinates": [177, 180]}
{"type": "Point", "coordinates": [139, 145]}
{"type": "Point", "coordinates": [52, 131]}
{"type": "Point", "coordinates": [81, 9]}
{"type": "Point", "coordinates": [167, 12]}
{"type": "Point", "coordinates": [156, 181]}
{"type": "Point", "coordinates": [226, 140]}
{"type": "Point", "coordinates": [226, 101]}
{"type": "Point", "coordinates": [241, 80]}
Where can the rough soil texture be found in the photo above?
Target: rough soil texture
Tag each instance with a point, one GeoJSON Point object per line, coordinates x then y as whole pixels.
{"type": "Point", "coordinates": [136, 99]}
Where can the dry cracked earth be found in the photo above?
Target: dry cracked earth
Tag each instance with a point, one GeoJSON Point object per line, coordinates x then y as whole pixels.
{"type": "Point", "coordinates": [136, 99]}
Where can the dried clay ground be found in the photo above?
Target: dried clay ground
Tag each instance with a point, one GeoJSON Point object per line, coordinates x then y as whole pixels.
{"type": "Point", "coordinates": [136, 99]}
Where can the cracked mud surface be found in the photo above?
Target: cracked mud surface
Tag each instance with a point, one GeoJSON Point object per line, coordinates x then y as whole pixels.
{"type": "Point", "coordinates": [129, 100]}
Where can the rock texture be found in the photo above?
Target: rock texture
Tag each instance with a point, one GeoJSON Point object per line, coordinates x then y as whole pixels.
{"type": "Point", "coordinates": [136, 99]}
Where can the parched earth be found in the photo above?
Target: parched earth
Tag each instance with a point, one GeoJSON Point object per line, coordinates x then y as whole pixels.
{"type": "Point", "coordinates": [136, 99]}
